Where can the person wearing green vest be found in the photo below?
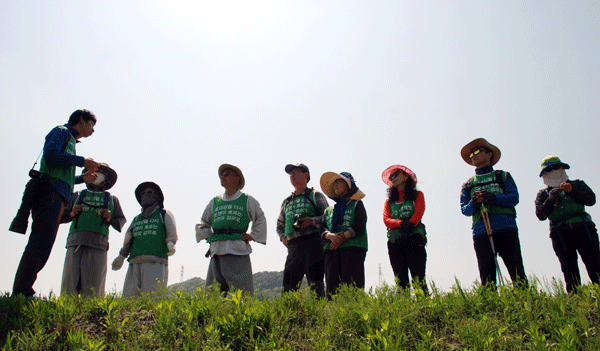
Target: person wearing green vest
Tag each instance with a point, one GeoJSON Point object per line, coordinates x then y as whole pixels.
{"type": "Point", "coordinates": [402, 215]}
{"type": "Point", "coordinates": [58, 163]}
{"type": "Point", "coordinates": [496, 192]}
{"type": "Point", "coordinates": [299, 230]}
{"type": "Point", "coordinates": [90, 212]}
{"type": "Point", "coordinates": [224, 225]}
{"type": "Point", "coordinates": [345, 233]}
{"type": "Point", "coordinates": [149, 242]}
{"type": "Point", "coordinates": [572, 230]}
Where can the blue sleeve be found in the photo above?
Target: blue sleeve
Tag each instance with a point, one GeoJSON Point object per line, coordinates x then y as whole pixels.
{"type": "Point", "coordinates": [53, 149]}
{"type": "Point", "coordinates": [510, 198]}
{"type": "Point", "coordinates": [467, 206]}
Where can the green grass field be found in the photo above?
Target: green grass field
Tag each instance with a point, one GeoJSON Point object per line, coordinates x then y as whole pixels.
{"type": "Point", "coordinates": [381, 319]}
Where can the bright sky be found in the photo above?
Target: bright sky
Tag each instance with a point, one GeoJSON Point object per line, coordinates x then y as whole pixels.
{"type": "Point", "coordinates": [353, 86]}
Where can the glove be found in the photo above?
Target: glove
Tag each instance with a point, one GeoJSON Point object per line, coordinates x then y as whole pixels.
{"type": "Point", "coordinates": [554, 194]}
{"type": "Point", "coordinates": [488, 197]}
{"type": "Point", "coordinates": [407, 226]}
{"type": "Point", "coordinates": [118, 263]}
{"type": "Point", "coordinates": [171, 247]}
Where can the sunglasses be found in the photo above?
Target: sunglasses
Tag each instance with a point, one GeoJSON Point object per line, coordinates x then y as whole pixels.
{"type": "Point", "coordinates": [394, 175]}
{"type": "Point", "coordinates": [553, 168]}
{"type": "Point", "coordinates": [476, 152]}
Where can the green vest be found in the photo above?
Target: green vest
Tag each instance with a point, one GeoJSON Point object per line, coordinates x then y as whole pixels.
{"type": "Point", "coordinates": [62, 173]}
{"type": "Point", "coordinates": [490, 183]}
{"type": "Point", "coordinates": [230, 219]}
{"type": "Point", "coordinates": [302, 206]}
{"type": "Point", "coordinates": [359, 241]}
{"type": "Point", "coordinates": [90, 218]}
{"type": "Point", "coordinates": [567, 211]}
{"type": "Point", "coordinates": [149, 236]}
{"type": "Point", "coordinates": [403, 211]}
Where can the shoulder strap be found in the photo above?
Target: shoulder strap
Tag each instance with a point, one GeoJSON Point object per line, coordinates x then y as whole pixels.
{"type": "Point", "coordinates": [500, 179]}
{"type": "Point", "coordinates": [106, 199]}
{"type": "Point", "coordinates": [81, 197]}
{"type": "Point", "coordinates": [307, 196]}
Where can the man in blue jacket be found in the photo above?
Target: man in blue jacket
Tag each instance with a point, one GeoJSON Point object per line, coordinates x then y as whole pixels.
{"type": "Point", "coordinates": [58, 163]}
{"type": "Point", "coordinates": [496, 192]}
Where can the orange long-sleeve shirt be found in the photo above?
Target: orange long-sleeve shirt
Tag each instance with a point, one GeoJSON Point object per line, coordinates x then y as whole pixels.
{"type": "Point", "coordinates": [415, 219]}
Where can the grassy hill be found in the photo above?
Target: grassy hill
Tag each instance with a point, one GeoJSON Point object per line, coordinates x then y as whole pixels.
{"type": "Point", "coordinates": [384, 318]}
{"type": "Point", "coordinates": [266, 285]}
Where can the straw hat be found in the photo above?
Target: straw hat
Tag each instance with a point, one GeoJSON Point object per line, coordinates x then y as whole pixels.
{"type": "Point", "coordinates": [552, 161]}
{"type": "Point", "coordinates": [477, 143]}
{"type": "Point", "coordinates": [143, 186]}
{"type": "Point", "coordinates": [237, 171]}
{"type": "Point", "coordinates": [328, 178]}
{"type": "Point", "coordinates": [385, 176]}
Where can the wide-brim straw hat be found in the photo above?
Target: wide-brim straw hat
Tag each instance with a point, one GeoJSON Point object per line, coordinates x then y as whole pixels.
{"type": "Point", "coordinates": [328, 178]}
{"type": "Point", "coordinates": [477, 143]}
{"type": "Point", "coordinates": [143, 186]}
{"type": "Point", "coordinates": [237, 171]}
{"type": "Point", "coordinates": [552, 161]}
{"type": "Point", "coordinates": [385, 176]}
{"type": "Point", "coordinates": [111, 175]}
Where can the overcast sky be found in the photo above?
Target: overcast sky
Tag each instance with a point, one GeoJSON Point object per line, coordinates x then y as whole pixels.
{"type": "Point", "coordinates": [354, 86]}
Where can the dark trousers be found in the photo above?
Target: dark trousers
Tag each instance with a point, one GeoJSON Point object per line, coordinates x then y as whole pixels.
{"type": "Point", "coordinates": [345, 265]}
{"type": "Point", "coordinates": [46, 213]}
{"type": "Point", "coordinates": [508, 246]}
{"type": "Point", "coordinates": [409, 255]}
{"type": "Point", "coordinates": [567, 242]}
{"type": "Point", "coordinates": [305, 257]}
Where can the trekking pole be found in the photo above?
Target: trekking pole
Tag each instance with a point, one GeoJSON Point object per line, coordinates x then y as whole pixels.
{"type": "Point", "coordinates": [488, 227]}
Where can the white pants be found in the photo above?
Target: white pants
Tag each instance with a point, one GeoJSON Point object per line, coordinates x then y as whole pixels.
{"type": "Point", "coordinates": [144, 277]}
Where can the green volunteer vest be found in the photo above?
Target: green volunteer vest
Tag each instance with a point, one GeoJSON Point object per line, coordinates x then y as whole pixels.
{"type": "Point", "coordinates": [149, 236]}
{"type": "Point", "coordinates": [229, 216]}
{"type": "Point", "coordinates": [63, 173]}
{"type": "Point", "coordinates": [403, 211]}
{"type": "Point", "coordinates": [302, 206]}
{"type": "Point", "coordinates": [90, 217]}
{"type": "Point", "coordinates": [359, 241]}
{"type": "Point", "coordinates": [566, 211]}
{"type": "Point", "coordinates": [490, 183]}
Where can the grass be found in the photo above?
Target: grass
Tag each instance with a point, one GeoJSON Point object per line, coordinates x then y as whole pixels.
{"type": "Point", "coordinates": [384, 318]}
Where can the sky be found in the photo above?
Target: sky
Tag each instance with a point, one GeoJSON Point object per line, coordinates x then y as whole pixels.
{"type": "Point", "coordinates": [181, 87]}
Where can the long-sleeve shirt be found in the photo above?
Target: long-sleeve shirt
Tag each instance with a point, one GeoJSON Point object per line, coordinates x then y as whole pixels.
{"type": "Point", "coordinates": [170, 236]}
{"type": "Point", "coordinates": [320, 204]}
{"type": "Point", "coordinates": [89, 238]}
{"type": "Point", "coordinates": [580, 192]}
{"type": "Point", "coordinates": [358, 226]}
{"type": "Point", "coordinates": [53, 155]}
{"type": "Point", "coordinates": [258, 230]}
{"type": "Point", "coordinates": [393, 223]}
{"type": "Point", "coordinates": [498, 221]}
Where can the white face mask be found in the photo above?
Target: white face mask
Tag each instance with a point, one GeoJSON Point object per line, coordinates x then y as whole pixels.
{"type": "Point", "coordinates": [100, 179]}
{"type": "Point", "coordinates": [555, 178]}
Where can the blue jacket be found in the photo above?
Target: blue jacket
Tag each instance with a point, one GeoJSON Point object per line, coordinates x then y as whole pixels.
{"type": "Point", "coordinates": [56, 139]}
{"type": "Point", "coordinates": [498, 221]}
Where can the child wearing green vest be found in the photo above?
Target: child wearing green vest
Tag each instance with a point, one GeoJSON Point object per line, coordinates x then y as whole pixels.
{"type": "Point", "coordinates": [149, 241]}
{"type": "Point", "coordinates": [91, 212]}
{"type": "Point", "coordinates": [345, 234]}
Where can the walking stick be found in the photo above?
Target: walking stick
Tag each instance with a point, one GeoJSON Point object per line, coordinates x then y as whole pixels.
{"type": "Point", "coordinates": [486, 220]}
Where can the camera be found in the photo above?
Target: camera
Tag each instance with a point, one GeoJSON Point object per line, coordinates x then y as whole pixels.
{"type": "Point", "coordinates": [20, 222]}
{"type": "Point", "coordinates": [297, 223]}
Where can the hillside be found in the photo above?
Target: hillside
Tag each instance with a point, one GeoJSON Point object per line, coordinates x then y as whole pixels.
{"type": "Point", "coordinates": [266, 285]}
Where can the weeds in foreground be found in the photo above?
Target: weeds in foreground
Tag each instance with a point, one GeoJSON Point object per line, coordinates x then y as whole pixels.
{"type": "Point", "coordinates": [385, 318]}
